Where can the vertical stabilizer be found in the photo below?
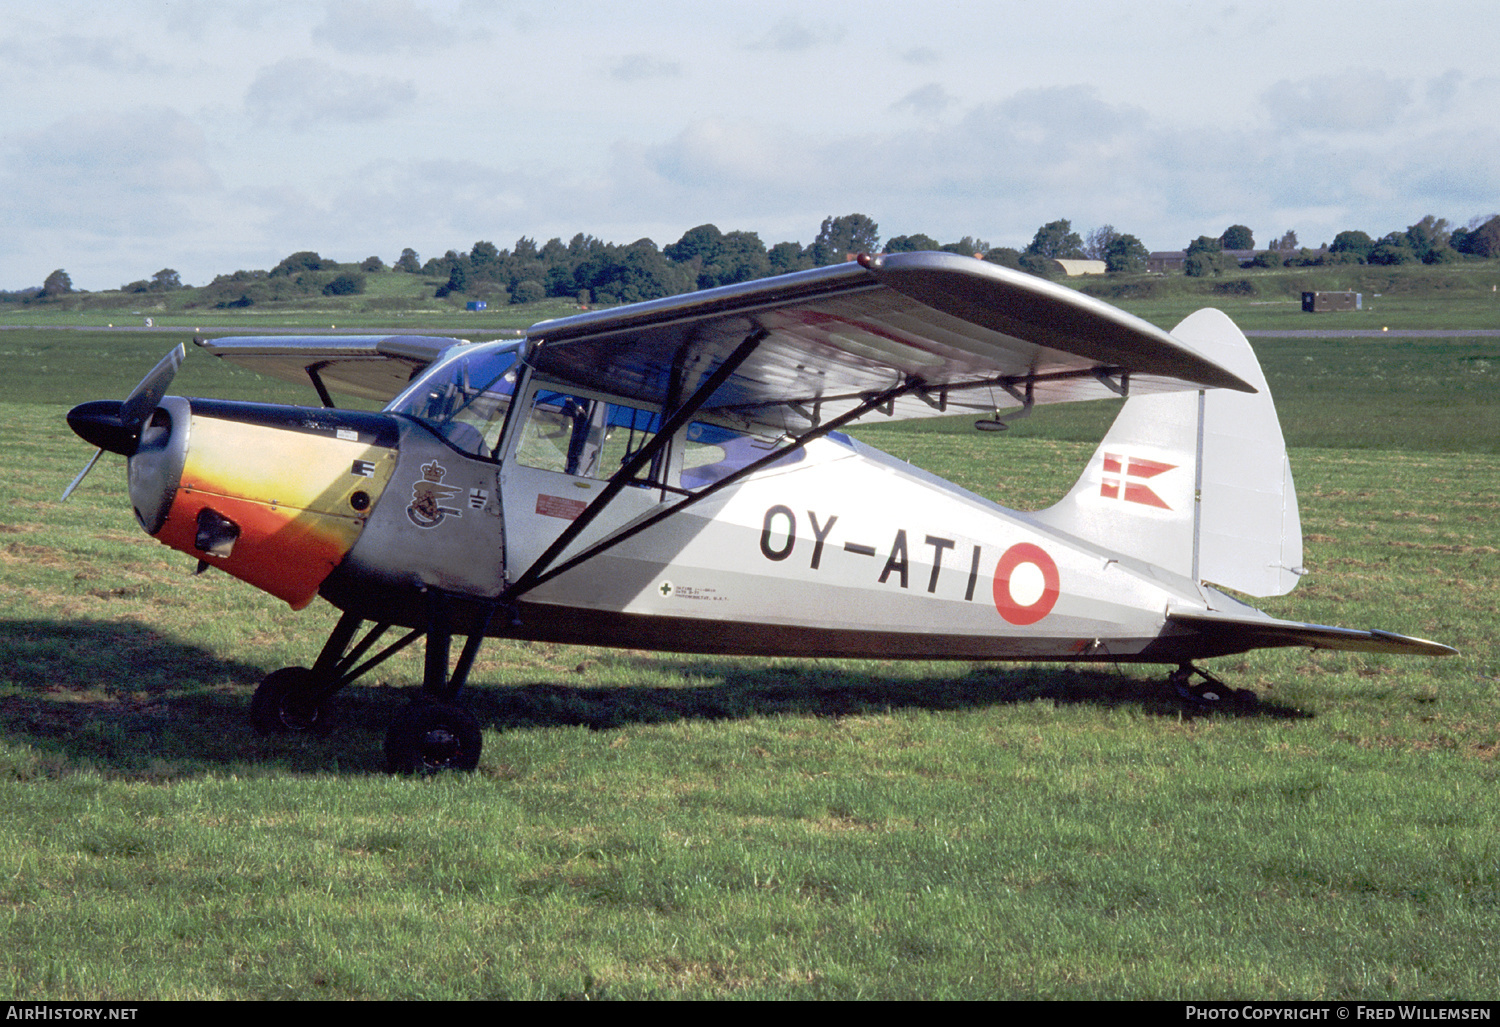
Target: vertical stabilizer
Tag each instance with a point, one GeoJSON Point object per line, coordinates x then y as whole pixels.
{"type": "Point", "coordinates": [1196, 482]}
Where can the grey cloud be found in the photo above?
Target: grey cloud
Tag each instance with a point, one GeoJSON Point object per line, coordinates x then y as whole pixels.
{"type": "Point", "coordinates": [791, 35]}
{"type": "Point", "coordinates": [639, 67]}
{"type": "Point", "coordinates": [930, 100]}
{"type": "Point", "coordinates": [303, 92]}
{"type": "Point", "coordinates": [1072, 111]}
{"type": "Point", "coordinates": [384, 26]}
{"type": "Point", "coordinates": [91, 187]}
{"type": "Point", "coordinates": [1351, 101]}
{"type": "Point", "coordinates": [98, 53]}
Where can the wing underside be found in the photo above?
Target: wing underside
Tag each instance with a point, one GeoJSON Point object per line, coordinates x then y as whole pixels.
{"type": "Point", "coordinates": [368, 366]}
{"type": "Point", "coordinates": [969, 335]}
{"type": "Point", "coordinates": [939, 332]}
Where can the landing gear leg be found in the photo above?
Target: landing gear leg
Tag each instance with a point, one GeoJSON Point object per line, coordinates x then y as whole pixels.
{"type": "Point", "coordinates": [1208, 692]}
{"type": "Point", "coordinates": [433, 732]}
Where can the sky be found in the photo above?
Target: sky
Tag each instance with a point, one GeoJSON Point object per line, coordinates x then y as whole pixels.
{"type": "Point", "coordinates": [214, 135]}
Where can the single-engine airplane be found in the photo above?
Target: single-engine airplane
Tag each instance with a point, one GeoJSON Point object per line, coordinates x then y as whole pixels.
{"type": "Point", "coordinates": [671, 475]}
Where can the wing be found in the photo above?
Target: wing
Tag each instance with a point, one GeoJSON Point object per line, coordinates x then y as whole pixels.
{"type": "Point", "coordinates": [369, 366]}
{"type": "Point", "coordinates": [972, 335]}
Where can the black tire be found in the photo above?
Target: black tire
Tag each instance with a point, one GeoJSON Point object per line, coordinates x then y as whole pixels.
{"type": "Point", "coordinates": [277, 707]}
{"type": "Point", "coordinates": [1215, 693]}
{"type": "Point", "coordinates": [427, 736]}
{"type": "Point", "coordinates": [1211, 693]}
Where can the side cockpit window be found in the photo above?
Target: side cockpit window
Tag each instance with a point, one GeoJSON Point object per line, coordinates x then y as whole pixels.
{"type": "Point", "coordinates": [568, 432]}
{"type": "Point", "coordinates": [584, 437]}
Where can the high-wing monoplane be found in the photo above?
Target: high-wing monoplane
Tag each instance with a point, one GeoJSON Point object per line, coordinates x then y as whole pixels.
{"type": "Point", "coordinates": [672, 475]}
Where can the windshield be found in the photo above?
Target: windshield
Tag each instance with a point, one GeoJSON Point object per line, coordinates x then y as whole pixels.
{"type": "Point", "coordinates": [465, 399]}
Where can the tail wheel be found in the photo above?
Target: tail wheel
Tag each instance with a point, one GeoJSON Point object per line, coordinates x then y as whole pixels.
{"type": "Point", "coordinates": [428, 736]}
{"type": "Point", "coordinates": [1208, 692]}
{"type": "Point", "coordinates": [283, 704]}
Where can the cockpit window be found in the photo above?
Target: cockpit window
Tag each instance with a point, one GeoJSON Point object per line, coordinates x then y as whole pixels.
{"type": "Point", "coordinates": [589, 438]}
{"type": "Point", "coordinates": [465, 399]}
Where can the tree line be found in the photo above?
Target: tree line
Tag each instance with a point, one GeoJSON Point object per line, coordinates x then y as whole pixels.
{"type": "Point", "coordinates": [1433, 240]}
{"type": "Point", "coordinates": [592, 271]}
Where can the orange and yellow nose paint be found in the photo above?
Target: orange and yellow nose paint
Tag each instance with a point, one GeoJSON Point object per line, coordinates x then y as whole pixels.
{"type": "Point", "coordinates": [297, 499]}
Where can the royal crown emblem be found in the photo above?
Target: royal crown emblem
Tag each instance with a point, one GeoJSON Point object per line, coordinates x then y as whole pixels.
{"type": "Point", "coordinates": [427, 494]}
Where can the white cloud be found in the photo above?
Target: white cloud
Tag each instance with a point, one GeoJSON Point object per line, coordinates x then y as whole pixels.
{"type": "Point", "coordinates": [981, 119]}
{"type": "Point", "coordinates": [730, 155]}
{"type": "Point", "coordinates": [105, 194]}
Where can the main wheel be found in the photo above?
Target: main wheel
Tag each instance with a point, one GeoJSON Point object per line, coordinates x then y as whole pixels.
{"type": "Point", "coordinates": [427, 736]}
{"type": "Point", "coordinates": [280, 706]}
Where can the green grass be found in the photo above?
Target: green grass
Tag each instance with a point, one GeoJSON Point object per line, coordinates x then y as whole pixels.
{"type": "Point", "coordinates": [654, 826]}
{"type": "Point", "coordinates": [1462, 295]}
{"type": "Point", "coordinates": [1419, 395]}
{"type": "Point", "coordinates": [391, 300]}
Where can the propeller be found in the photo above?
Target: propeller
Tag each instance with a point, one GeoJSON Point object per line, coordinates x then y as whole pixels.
{"type": "Point", "coordinates": [116, 425]}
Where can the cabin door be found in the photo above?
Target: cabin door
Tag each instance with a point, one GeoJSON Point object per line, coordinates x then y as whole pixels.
{"type": "Point", "coordinates": [565, 448]}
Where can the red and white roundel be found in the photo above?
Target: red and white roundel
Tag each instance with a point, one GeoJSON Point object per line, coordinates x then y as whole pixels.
{"type": "Point", "coordinates": [1026, 584]}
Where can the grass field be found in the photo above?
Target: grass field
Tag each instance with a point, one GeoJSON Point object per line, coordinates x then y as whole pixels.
{"type": "Point", "coordinates": [656, 826]}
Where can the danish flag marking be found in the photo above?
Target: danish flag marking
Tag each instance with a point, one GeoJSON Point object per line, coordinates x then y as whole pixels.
{"type": "Point", "coordinates": [1118, 484]}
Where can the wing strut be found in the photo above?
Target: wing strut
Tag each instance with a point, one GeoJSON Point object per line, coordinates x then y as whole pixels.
{"type": "Point", "coordinates": [534, 577]}
{"type": "Point", "coordinates": [315, 375]}
{"type": "Point", "coordinates": [536, 573]}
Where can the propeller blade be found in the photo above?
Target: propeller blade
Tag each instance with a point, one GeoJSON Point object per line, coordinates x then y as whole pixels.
{"type": "Point", "coordinates": [82, 474]}
{"type": "Point", "coordinates": [117, 426]}
{"type": "Point", "coordinates": [144, 398]}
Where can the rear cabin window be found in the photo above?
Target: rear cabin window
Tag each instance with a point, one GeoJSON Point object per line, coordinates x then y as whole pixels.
{"type": "Point", "coordinates": [713, 452]}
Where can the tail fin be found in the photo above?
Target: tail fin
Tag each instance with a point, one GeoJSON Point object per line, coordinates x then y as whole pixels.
{"type": "Point", "coordinates": [1196, 482]}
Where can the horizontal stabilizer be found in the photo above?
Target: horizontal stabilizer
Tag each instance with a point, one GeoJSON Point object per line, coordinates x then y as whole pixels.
{"type": "Point", "coordinates": [1243, 633]}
